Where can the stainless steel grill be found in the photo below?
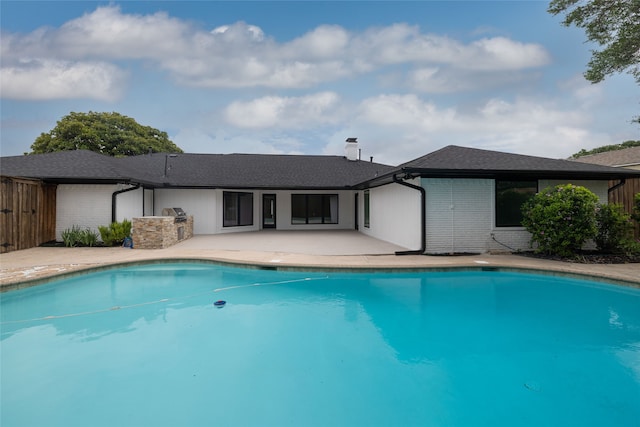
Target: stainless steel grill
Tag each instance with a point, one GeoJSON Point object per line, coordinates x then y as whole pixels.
{"type": "Point", "coordinates": [178, 214]}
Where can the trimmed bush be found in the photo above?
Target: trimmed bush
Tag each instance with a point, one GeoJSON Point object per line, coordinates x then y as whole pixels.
{"type": "Point", "coordinates": [115, 233]}
{"type": "Point", "coordinates": [636, 207]}
{"type": "Point", "coordinates": [561, 219]}
{"type": "Point", "coordinates": [615, 229]}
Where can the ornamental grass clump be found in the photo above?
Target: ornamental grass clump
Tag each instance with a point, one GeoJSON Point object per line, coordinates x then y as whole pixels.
{"type": "Point", "coordinates": [561, 219]}
{"type": "Point", "coordinates": [75, 236]}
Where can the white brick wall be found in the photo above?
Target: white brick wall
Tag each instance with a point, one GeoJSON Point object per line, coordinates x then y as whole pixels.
{"type": "Point", "coordinates": [201, 203]}
{"type": "Point", "coordinates": [459, 214]}
{"type": "Point", "coordinates": [129, 204]}
{"type": "Point", "coordinates": [148, 202]}
{"type": "Point", "coordinates": [86, 206]}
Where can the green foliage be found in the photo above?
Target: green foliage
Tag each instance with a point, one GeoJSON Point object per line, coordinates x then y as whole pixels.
{"type": "Point", "coordinates": [606, 148]}
{"type": "Point", "coordinates": [615, 230]}
{"type": "Point", "coordinates": [71, 236]}
{"type": "Point", "coordinates": [636, 207]}
{"type": "Point", "coordinates": [612, 24]}
{"type": "Point", "coordinates": [107, 133]}
{"type": "Point", "coordinates": [88, 238]}
{"type": "Point", "coordinates": [75, 236]}
{"type": "Point", "coordinates": [561, 219]}
{"type": "Point", "coordinates": [115, 233]}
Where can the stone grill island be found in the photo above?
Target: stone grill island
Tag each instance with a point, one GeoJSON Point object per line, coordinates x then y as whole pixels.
{"type": "Point", "coordinates": [159, 232]}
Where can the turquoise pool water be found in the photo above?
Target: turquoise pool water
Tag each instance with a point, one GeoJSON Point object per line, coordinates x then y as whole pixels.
{"type": "Point", "coordinates": [145, 346]}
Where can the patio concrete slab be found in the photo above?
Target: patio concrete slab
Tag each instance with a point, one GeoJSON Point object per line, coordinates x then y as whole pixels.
{"type": "Point", "coordinates": [318, 242]}
{"type": "Point", "coordinates": [338, 250]}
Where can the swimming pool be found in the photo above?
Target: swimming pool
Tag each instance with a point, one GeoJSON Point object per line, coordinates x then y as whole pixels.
{"type": "Point", "coordinates": [146, 345]}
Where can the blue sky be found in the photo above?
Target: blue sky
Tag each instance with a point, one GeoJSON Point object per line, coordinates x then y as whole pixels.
{"type": "Point", "coordinates": [299, 77]}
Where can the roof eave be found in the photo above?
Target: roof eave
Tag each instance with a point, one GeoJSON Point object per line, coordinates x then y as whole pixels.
{"type": "Point", "coordinates": [497, 174]}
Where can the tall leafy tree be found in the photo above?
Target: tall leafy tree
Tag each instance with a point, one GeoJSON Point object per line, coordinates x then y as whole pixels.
{"type": "Point", "coordinates": [612, 24]}
{"type": "Point", "coordinates": [108, 133]}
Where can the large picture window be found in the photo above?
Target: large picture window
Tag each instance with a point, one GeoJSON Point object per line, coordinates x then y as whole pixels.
{"type": "Point", "coordinates": [314, 209]}
{"type": "Point", "coordinates": [237, 209]}
{"type": "Point", "coordinates": [510, 196]}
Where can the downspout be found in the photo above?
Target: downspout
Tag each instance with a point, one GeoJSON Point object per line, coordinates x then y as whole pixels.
{"type": "Point", "coordinates": [618, 185]}
{"type": "Point", "coordinates": [423, 223]}
{"type": "Point", "coordinates": [113, 200]}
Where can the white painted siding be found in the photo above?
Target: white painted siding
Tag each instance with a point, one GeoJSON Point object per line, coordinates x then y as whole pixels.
{"type": "Point", "coordinates": [395, 214]}
{"type": "Point", "coordinates": [86, 206]}
{"type": "Point", "coordinates": [459, 214]}
{"type": "Point", "coordinates": [148, 202]}
{"type": "Point", "coordinates": [201, 203]}
{"type": "Point", "coordinates": [129, 204]}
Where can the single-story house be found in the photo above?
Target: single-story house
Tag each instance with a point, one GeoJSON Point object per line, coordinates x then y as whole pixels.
{"type": "Point", "coordinates": [628, 158]}
{"type": "Point", "coordinates": [454, 200]}
{"type": "Point", "coordinates": [625, 158]}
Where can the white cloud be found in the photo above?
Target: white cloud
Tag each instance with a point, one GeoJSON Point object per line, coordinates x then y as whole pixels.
{"type": "Point", "coordinates": [220, 141]}
{"type": "Point", "coordinates": [582, 90]}
{"type": "Point", "coordinates": [51, 79]}
{"type": "Point", "coordinates": [240, 55]}
{"type": "Point", "coordinates": [240, 33]}
{"type": "Point", "coordinates": [446, 80]}
{"type": "Point", "coordinates": [402, 43]}
{"type": "Point", "coordinates": [500, 53]}
{"type": "Point", "coordinates": [398, 128]}
{"type": "Point", "coordinates": [324, 42]}
{"type": "Point", "coordinates": [108, 33]}
{"type": "Point", "coordinates": [284, 112]}
{"type": "Point", "coordinates": [84, 59]}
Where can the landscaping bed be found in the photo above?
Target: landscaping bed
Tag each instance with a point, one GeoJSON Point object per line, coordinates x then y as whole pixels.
{"type": "Point", "coordinates": [588, 257]}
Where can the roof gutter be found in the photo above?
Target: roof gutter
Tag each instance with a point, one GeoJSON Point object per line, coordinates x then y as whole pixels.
{"type": "Point", "coordinates": [423, 222]}
{"type": "Point", "coordinates": [113, 200]}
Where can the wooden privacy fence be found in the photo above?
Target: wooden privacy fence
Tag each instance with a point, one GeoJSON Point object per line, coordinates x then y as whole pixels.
{"type": "Point", "coordinates": [624, 195]}
{"type": "Point", "coordinates": [27, 213]}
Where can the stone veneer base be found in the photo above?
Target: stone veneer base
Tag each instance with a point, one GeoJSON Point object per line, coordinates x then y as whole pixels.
{"type": "Point", "coordinates": [159, 232]}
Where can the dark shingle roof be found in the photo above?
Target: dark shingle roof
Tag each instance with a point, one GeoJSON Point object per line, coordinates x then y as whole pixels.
{"type": "Point", "coordinates": [292, 171]}
{"type": "Point", "coordinates": [196, 170]}
{"type": "Point", "coordinates": [462, 161]}
{"type": "Point", "coordinates": [77, 165]}
{"type": "Point", "coordinates": [253, 170]}
{"type": "Point", "coordinates": [620, 158]}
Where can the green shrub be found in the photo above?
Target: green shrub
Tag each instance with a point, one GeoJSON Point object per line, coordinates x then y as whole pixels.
{"type": "Point", "coordinates": [636, 207]}
{"type": "Point", "coordinates": [115, 233]}
{"type": "Point", "coordinates": [615, 229]}
{"type": "Point", "coordinates": [561, 219]}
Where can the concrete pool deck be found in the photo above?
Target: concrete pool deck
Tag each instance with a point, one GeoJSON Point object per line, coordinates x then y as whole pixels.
{"type": "Point", "coordinates": [294, 249]}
